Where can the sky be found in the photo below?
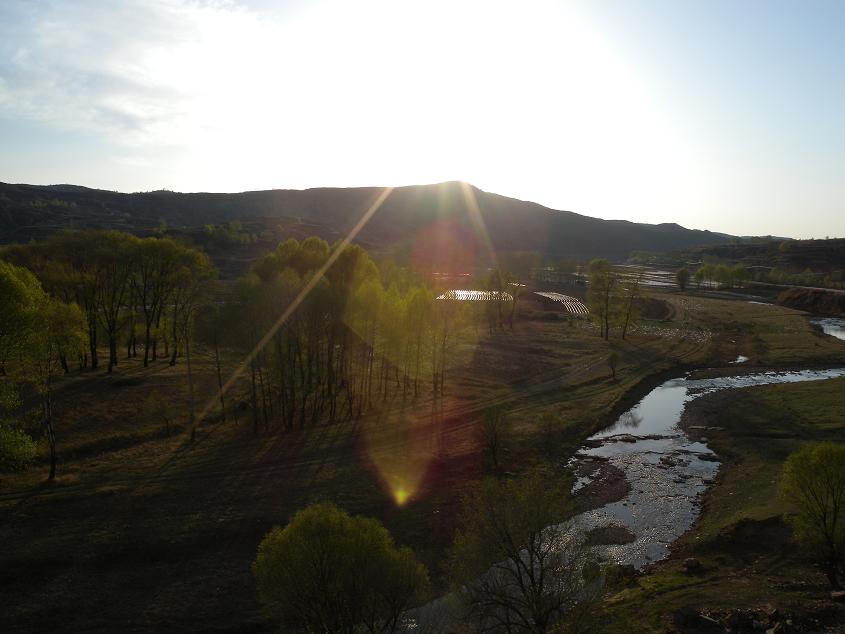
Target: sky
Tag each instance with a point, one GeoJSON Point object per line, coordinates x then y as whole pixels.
{"type": "Point", "coordinates": [714, 114]}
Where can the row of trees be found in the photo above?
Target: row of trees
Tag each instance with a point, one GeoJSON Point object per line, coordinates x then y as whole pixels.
{"type": "Point", "coordinates": [350, 343]}
{"type": "Point", "coordinates": [806, 278]}
{"type": "Point", "coordinates": [130, 290]}
{"type": "Point", "coordinates": [721, 275]}
{"type": "Point", "coordinates": [36, 333]}
{"type": "Point", "coordinates": [352, 336]}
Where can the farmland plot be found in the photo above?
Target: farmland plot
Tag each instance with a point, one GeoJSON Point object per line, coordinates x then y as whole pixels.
{"type": "Point", "coordinates": [573, 305]}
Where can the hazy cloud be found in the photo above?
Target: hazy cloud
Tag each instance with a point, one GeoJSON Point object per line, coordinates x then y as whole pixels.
{"type": "Point", "coordinates": [124, 67]}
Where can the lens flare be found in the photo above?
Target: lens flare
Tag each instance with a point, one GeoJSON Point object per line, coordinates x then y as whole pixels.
{"type": "Point", "coordinates": [401, 449]}
{"type": "Point", "coordinates": [401, 496]}
{"type": "Point", "coordinates": [318, 275]}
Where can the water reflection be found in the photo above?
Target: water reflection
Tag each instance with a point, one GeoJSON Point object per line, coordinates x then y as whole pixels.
{"type": "Point", "coordinates": [666, 471]}
{"type": "Point", "coordinates": [832, 326]}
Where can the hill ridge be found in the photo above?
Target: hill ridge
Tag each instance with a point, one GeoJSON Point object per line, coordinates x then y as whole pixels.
{"type": "Point", "coordinates": [32, 211]}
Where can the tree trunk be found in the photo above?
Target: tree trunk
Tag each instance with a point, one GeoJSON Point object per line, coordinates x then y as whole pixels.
{"type": "Point", "coordinates": [92, 343]}
{"type": "Point", "coordinates": [190, 388]}
{"type": "Point", "coordinates": [147, 344]}
{"type": "Point", "coordinates": [51, 436]}
{"type": "Point", "coordinates": [112, 352]}
{"type": "Point", "coordinates": [254, 400]}
{"type": "Point", "coordinates": [219, 378]}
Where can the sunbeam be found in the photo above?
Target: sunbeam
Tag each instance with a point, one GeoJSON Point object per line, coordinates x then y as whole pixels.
{"type": "Point", "coordinates": [379, 201]}
{"type": "Point", "coordinates": [474, 213]}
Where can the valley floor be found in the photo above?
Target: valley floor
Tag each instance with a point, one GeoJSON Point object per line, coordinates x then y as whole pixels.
{"type": "Point", "coordinates": [145, 529]}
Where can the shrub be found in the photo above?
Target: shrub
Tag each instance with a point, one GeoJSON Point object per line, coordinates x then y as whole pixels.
{"type": "Point", "coordinates": [17, 449]}
{"type": "Point", "coordinates": [327, 571]}
{"type": "Point", "coordinates": [813, 481]}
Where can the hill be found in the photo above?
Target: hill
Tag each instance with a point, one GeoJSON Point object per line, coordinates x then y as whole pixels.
{"type": "Point", "coordinates": [412, 217]}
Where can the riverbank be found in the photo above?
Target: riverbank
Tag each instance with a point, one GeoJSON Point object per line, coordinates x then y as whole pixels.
{"type": "Point", "coordinates": [743, 553]}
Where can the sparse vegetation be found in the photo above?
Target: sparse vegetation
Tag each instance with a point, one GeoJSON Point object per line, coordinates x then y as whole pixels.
{"type": "Point", "coordinates": [372, 393]}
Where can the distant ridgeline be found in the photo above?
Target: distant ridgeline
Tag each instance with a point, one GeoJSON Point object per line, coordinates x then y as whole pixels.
{"type": "Point", "coordinates": [428, 221]}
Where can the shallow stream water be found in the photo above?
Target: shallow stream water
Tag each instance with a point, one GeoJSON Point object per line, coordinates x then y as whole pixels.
{"type": "Point", "coordinates": [833, 326]}
{"type": "Point", "coordinates": [666, 470]}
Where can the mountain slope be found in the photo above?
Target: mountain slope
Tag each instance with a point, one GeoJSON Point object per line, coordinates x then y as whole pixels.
{"type": "Point", "coordinates": [435, 212]}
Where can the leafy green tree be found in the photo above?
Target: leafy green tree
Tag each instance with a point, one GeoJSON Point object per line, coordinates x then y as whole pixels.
{"type": "Point", "coordinates": [682, 278]}
{"type": "Point", "coordinates": [707, 273]}
{"type": "Point", "coordinates": [21, 298]}
{"type": "Point", "coordinates": [154, 266]}
{"type": "Point", "coordinates": [601, 293]}
{"type": "Point", "coordinates": [327, 571]}
{"type": "Point", "coordinates": [628, 294]}
{"type": "Point", "coordinates": [22, 301]}
{"type": "Point", "coordinates": [60, 327]}
{"type": "Point", "coordinates": [17, 449]}
{"type": "Point", "coordinates": [722, 275]}
{"type": "Point", "coordinates": [739, 275]}
{"type": "Point", "coordinates": [112, 261]}
{"type": "Point", "coordinates": [516, 564]}
{"type": "Point", "coordinates": [813, 482]}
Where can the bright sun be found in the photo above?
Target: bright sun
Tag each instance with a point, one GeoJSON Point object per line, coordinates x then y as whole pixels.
{"type": "Point", "coordinates": [512, 97]}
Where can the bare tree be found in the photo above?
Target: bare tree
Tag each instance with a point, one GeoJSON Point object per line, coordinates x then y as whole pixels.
{"type": "Point", "coordinates": [516, 566]}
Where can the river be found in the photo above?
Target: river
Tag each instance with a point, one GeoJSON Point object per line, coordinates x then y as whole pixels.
{"type": "Point", "coordinates": [666, 470]}
{"type": "Point", "coordinates": [833, 326]}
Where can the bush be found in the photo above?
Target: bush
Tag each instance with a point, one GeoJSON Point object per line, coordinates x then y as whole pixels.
{"type": "Point", "coordinates": [813, 482]}
{"type": "Point", "coordinates": [17, 449]}
{"type": "Point", "coordinates": [327, 571]}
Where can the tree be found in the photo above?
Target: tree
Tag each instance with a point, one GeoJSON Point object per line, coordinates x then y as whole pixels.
{"type": "Point", "coordinates": [600, 296]}
{"type": "Point", "coordinates": [515, 287]}
{"type": "Point", "coordinates": [22, 301]}
{"type": "Point", "coordinates": [60, 328]}
{"type": "Point", "coordinates": [154, 267]}
{"type": "Point", "coordinates": [208, 331]}
{"type": "Point", "coordinates": [628, 295]}
{"type": "Point", "coordinates": [515, 563]}
{"type": "Point", "coordinates": [813, 481]}
{"type": "Point", "coordinates": [682, 278]}
{"type": "Point", "coordinates": [112, 262]}
{"type": "Point", "coordinates": [613, 363]}
{"type": "Point", "coordinates": [739, 275]}
{"type": "Point", "coordinates": [327, 571]}
{"type": "Point", "coordinates": [709, 273]}
{"type": "Point", "coordinates": [492, 426]}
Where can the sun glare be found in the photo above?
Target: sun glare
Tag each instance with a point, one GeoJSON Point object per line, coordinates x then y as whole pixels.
{"type": "Point", "coordinates": [528, 99]}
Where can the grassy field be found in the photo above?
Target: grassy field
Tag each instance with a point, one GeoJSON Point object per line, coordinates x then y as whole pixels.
{"type": "Point", "coordinates": [741, 539]}
{"type": "Point", "coordinates": [147, 530]}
